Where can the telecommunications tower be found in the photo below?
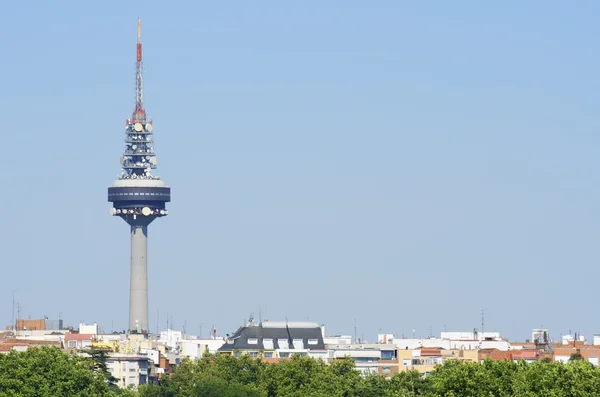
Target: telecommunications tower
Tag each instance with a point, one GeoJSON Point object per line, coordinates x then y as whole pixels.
{"type": "Point", "coordinates": [138, 197]}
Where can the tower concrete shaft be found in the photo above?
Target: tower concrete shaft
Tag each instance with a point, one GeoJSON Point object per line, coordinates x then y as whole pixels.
{"type": "Point", "coordinates": [138, 283]}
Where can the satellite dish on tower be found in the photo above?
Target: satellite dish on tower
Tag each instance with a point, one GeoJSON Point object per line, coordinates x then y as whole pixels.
{"type": "Point", "coordinates": [112, 211]}
{"type": "Point", "coordinates": [138, 127]}
{"type": "Point", "coordinates": [149, 127]}
{"type": "Point", "coordinates": [146, 211]}
{"type": "Point", "coordinates": [153, 160]}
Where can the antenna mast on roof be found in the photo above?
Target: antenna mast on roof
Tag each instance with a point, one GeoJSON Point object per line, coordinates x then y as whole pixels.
{"type": "Point", "coordinates": [13, 313]}
{"type": "Point", "coordinates": [482, 323]}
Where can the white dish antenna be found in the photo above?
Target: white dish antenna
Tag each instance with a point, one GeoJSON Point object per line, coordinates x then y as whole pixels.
{"type": "Point", "coordinates": [149, 127]}
{"type": "Point", "coordinates": [146, 211]}
{"type": "Point", "coordinates": [153, 161]}
{"type": "Point", "coordinates": [112, 211]}
{"type": "Point", "coordinates": [138, 127]}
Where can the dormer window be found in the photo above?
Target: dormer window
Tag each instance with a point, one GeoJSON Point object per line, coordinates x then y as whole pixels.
{"type": "Point", "coordinates": [253, 341]}
{"type": "Point", "coordinates": [268, 343]}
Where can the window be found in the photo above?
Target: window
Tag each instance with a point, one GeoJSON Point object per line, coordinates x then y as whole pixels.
{"type": "Point", "coordinates": [253, 354]}
{"type": "Point", "coordinates": [253, 341]}
{"type": "Point", "coordinates": [298, 344]}
{"type": "Point", "coordinates": [268, 354]}
{"type": "Point", "coordinates": [283, 343]}
{"type": "Point", "coordinates": [385, 370]}
{"type": "Point", "coordinates": [284, 354]}
{"type": "Point", "coordinates": [313, 341]}
{"type": "Point", "coordinates": [268, 343]}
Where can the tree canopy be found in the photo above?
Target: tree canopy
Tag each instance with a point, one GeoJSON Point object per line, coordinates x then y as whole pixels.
{"type": "Point", "coordinates": [48, 371]}
{"type": "Point", "coordinates": [220, 375]}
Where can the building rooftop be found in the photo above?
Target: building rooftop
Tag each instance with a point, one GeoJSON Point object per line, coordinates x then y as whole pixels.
{"type": "Point", "coordinates": [274, 335]}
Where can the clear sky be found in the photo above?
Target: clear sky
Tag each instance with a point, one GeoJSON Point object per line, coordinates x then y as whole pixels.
{"type": "Point", "coordinates": [402, 163]}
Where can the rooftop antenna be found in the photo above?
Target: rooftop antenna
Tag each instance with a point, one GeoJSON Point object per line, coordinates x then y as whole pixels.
{"type": "Point", "coordinates": [259, 314]}
{"type": "Point", "coordinates": [13, 313]}
{"type": "Point", "coordinates": [355, 335]}
{"type": "Point", "coordinates": [482, 322]}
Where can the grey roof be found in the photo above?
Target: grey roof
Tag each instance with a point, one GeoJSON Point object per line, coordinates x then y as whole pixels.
{"type": "Point", "coordinates": [239, 340]}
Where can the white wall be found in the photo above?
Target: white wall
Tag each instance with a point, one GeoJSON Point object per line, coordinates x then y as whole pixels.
{"type": "Point", "coordinates": [153, 355]}
{"type": "Point", "coordinates": [337, 340]}
{"type": "Point", "coordinates": [469, 335]}
{"type": "Point", "coordinates": [170, 338]}
{"type": "Point", "coordinates": [88, 329]}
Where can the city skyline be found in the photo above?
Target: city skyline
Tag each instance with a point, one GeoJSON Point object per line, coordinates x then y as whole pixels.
{"type": "Point", "coordinates": [402, 165]}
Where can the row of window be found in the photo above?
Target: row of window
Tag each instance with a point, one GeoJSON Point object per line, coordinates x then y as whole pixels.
{"type": "Point", "coordinates": [280, 342]}
{"type": "Point", "coordinates": [418, 361]}
{"type": "Point", "coordinates": [140, 194]}
{"type": "Point", "coordinates": [270, 354]}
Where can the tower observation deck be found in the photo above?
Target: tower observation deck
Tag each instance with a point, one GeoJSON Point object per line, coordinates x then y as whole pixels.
{"type": "Point", "coordinates": [139, 197]}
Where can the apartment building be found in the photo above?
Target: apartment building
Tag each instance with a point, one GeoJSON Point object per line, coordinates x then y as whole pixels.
{"type": "Point", "coordinates": [276, 340]}
{"type": "Point", "coordinates": [130, 370]}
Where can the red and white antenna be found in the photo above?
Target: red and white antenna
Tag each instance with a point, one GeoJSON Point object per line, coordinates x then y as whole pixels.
{"type": "Point", "coordinates": [139, 114]}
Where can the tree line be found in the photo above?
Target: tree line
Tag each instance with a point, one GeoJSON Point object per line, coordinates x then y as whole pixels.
{"type": "Point", "coordinates": [48, 371]}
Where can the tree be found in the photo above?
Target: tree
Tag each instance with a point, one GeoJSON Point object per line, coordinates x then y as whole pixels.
{"type": "Point", "coordinates": [409, 383]}
{"type": "Point", "coordinates": [48, 372]}
{"type": "Point", "coordinates": [99, 357]}
{"type": "Point", "coordinates": [575, 357]}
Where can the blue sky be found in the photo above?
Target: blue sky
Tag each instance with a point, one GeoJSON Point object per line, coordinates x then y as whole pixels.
{"type": "Point", "coordinates": [404, 164]}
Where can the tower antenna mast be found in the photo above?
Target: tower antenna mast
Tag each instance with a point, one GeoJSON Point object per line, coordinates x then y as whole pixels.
{"type": "Point", "coordinates": [140, 113]}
